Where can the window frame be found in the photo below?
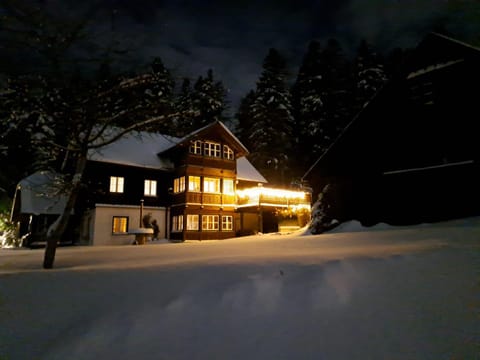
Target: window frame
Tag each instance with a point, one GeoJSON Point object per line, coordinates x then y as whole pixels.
{"type": "Point", "coordinates": [232, 192]}
{"type": "Point", "coordinates": [150, 185]}
{"type": "Point", "coordinates": [228, 153]}
{"type": "Point", "coordinates": [179, 185]}
{"type": "Point", "coordinates": [191, 181]}
{"type": "Point", "coordinates": [192, 224]}
{"type": "Point", "coordinates": [116, 217]}
{"type": "Point", "coordinates": [210, 223]}
{"type": "Point", "coordinates": [196, 147]}
{"type": "Point", "coordinates": [117, 184]}
{"type": "Point", "coordinates": [212, 149]}
{"type": "Point", "coordinates": [211, 180]}
{"type": "Point", "coordinates": [227, 225]}
{"type": "Point", "coordinates": [177, 223]}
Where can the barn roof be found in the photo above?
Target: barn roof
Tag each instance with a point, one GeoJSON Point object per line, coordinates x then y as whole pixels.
{"type": "Point", "coordinates": [358, 144]}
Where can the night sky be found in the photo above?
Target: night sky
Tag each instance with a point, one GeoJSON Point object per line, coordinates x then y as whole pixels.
{"type": "Point", "coordinates": [233, 37]}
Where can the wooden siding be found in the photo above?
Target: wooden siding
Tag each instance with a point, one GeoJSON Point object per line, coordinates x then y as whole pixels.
{"type": "Point", "coordinates": [209, 162]}
{"type": "Point", "coordinates": [97, 178]}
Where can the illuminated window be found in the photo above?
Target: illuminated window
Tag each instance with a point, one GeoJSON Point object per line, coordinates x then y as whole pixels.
{"type": "Point", "coordinates": [209, 222]}
{"type": "Point", "coordinates": [211, 149]}
{"type": "Point", "coordinates": [179, 185]}
{"type": "Point", "coordinates": [150, 188]}
{"type": "Point", "coordinates": [228, 186]}
{"type": "Point", "coordinates": [192, 222]}
{"type": "Point", "coordinates": [211, 185]}
{"type": "Point", "coordinates": [196, 147]}
{"type": "Point", "coordinates": [194, 183]}
{"type": "Point", "coordinates": [227, 223]}
{"type": "Point", "coordinates": [177, 223]}
{"type": "Point", "coordinates": [120, 225]}
{"type": "Point", "coordinates": [116, 184]}
{"type": "Point", "coordinates": [227, 152]}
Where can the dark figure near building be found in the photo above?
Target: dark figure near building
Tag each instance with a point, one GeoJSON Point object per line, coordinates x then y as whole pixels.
{"type": "Point", "coordinates": [155, 229]}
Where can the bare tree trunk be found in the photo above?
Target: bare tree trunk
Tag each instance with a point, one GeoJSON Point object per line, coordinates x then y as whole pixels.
{"type": "Point", "coordinates": [61, 224]}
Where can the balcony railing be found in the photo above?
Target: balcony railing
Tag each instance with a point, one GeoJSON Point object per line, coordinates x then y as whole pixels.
{"type": "Point", "coordinates": [260, 196]}
{"type": "Point", "coordinates": [211, 199]}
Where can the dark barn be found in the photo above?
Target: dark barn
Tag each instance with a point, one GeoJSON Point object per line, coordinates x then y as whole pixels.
{"type": "Point", "coordinates": [411, 154]}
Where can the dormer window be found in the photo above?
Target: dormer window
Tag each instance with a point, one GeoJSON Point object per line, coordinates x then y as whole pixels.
{"type": "Point", "coordinates": [211, 149]}
{"type": "Point", "coordinates": [227, 152]}
{"type": "Point", "coordinates": [196, 147]}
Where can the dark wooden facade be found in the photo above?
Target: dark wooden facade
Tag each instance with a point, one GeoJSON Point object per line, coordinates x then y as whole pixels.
{"type": "Point", "coordinates": [97, 180]}
{"type": "Point", "coordinates": [193, 207]}
{"type": "Point", "coordinates": [411, 155]}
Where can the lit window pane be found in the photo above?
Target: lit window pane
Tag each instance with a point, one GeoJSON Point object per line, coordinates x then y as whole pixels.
{"type": "Point", "coordinates": [210, 222]}
{"type": "Point", "coordinates": [177, 223]}
{"type": "Point", "coordinates": [116, 184]}
{"type": "Point", "coordinates": [228, 186]}
{"type": "Point", "coordinates": [194, 183]}
{"type": "Point", "coordinates": [211, 185]}
{"type": "Point", "coordinates": [120, 224]}
{"type": "Point", "coordinates": [192, 222]}
{"type": "Point", "coordinates": [150, 188]}
{"type": "Point", "coordinates": [120, 184]}
{"type": "Point", "coordinates": [179, 185]}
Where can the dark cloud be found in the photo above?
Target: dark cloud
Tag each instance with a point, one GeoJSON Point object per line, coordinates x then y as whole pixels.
{"type": "Point", "coordinates": [232, 37]}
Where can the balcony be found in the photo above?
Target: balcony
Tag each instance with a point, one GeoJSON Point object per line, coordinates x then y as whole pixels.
{"type": "Point", "coordinates": [260, 196]}
{"type": "Point", "coordinates": [210, 199]}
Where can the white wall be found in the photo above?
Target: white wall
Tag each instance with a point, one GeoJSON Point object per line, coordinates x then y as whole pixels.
{"type": "Point", "coordinates": [103, 217]}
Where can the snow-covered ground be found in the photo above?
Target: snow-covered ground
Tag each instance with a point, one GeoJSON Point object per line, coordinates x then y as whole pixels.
{"type": "Point", "coordinates": [355, 293]}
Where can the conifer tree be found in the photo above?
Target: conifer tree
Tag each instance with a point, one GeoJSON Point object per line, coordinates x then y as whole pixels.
{"type": "Point", "coordinates": [159, 95]}
{"type": "Point", "coordinates": [338, 90]}
{"type": "Point", "coordinates": [369, 74]}
{"type": "Point", "coordinates": [270, 135]}
{"type": "Point", "coordinates": [245, 118]}
{"type": "Point", "coordinates": [183, 104]}
{"type": "Point", "coordinates": [308, 106]}
{"type": "Point", "coordinates": [149, 94]}
{"type": "Point", "coordinates": [209, 100]}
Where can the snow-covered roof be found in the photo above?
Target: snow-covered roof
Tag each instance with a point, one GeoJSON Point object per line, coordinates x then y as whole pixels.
{"type": "Point", "coordinates": [433, 67]}
{"type": "Point", "coordinates": [141, 149]}
{"type": "Point", "coordinates": [136, 149]}
{"type": "Point", "coordinates": [39, 195]}
{"type": "Point", "coordinates": [246, 171]}
{"type": "Point", "coordinates": [401, 171]}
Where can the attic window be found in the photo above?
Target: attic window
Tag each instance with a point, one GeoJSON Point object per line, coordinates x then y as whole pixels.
{"type": "Point", "coordinates": [227, 152]}
{"type": "Point", "coordinates": [212, 149]}
{"type": "Point", "coordinates": [196, 147]}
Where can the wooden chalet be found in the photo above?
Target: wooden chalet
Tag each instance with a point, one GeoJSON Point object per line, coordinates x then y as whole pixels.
{"type": "Point", "coordinates": [190, 186]}
{"type": "Point", "coordinates": [412, 154]}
